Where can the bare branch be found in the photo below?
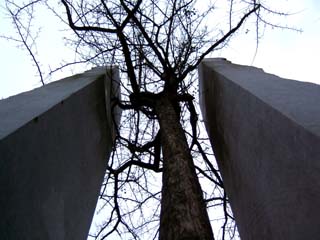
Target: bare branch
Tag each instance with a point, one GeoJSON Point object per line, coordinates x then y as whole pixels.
{"type": "Point", "coordinates": [220, 41]}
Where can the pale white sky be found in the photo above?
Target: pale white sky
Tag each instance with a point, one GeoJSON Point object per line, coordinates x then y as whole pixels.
{"type": "Point", "coordinates": [285, 53]}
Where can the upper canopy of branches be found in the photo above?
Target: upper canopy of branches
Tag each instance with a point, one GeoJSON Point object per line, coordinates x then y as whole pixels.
{"type": "Point", "coordinates": [158, 43]}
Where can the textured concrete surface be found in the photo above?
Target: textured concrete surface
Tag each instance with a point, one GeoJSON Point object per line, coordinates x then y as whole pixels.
{"type": "Point", "coordinates": [54, 143]}
{"type": "Point", "coordinates": [265, 132]}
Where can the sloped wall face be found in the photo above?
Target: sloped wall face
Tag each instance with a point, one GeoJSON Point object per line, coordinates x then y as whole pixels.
{"type": "Point", "coordinates": [54, 144]}
{"type": "Point", "coordinates": [265, 132]}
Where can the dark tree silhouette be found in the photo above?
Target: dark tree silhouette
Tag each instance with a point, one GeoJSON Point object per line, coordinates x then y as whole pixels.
{"type": "Point", "coordinates": [159, 153]}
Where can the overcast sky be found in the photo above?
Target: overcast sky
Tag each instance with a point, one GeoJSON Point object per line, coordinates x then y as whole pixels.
{"type": "Point", "coordinates": [288, 54]}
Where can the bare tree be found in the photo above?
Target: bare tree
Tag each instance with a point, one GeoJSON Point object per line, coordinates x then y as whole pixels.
{"type": "Point", "coordinates": [157, 46]}
{"type": "Point", "coordinates": [24, 32]}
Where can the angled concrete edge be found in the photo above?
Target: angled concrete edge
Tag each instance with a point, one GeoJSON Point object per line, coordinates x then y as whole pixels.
{"type": "Point", "coordinates": [54, 144]}
{"type": "Point", "coordinates": [265, 132]}
{"type": "Point", "coordinates": [17, 110]}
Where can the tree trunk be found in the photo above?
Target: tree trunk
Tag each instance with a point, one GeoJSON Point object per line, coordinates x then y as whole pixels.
{"type": "Point", "coordinates": [183, 211]}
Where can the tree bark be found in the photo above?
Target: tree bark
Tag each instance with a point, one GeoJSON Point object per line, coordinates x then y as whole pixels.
{"type": "Point", "coordinates": [183, 211]}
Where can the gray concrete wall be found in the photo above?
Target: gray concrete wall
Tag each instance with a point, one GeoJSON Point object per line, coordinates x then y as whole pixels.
{"type": "Point", "coordinates": [265, 132]}
{"type": "Point", "coordinates": [54, 144]}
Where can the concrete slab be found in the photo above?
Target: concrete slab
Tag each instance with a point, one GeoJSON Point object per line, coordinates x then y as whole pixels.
{"type": "Point", "coordinates": [265, 132]}
{"type": "Point", "coordinates": [54, 144]}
